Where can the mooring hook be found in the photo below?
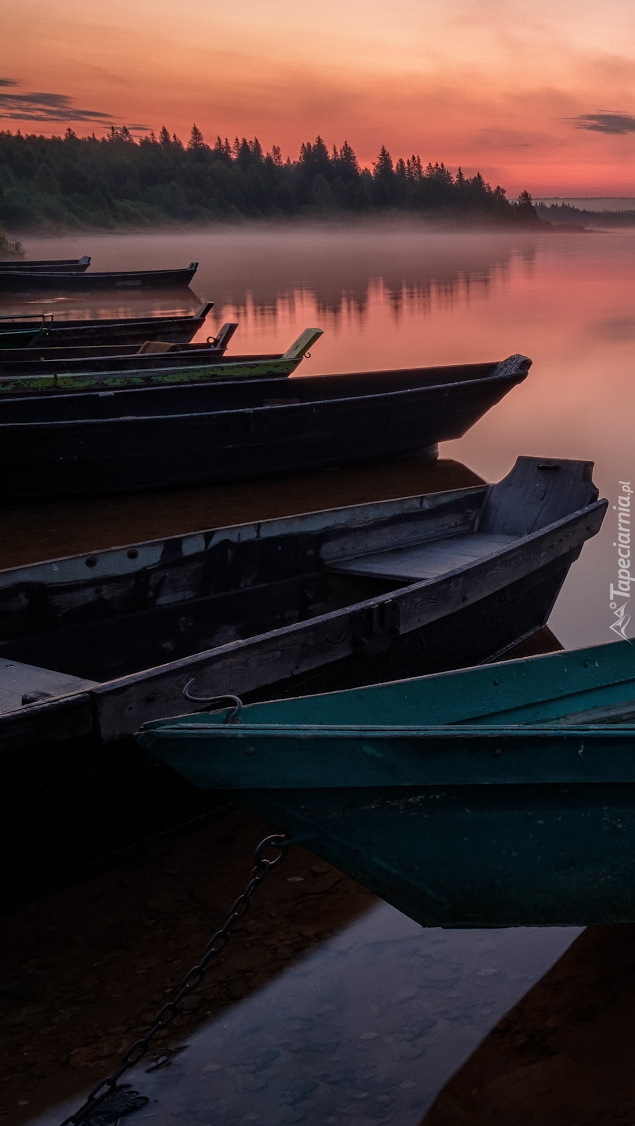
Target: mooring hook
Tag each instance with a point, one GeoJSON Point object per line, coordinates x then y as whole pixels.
{"type": "Point", "coordinates": [213, 700]}
{"type": "Point", "coordinates": [277, 841]}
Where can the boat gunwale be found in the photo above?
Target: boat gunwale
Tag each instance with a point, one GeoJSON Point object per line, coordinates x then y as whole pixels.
{"type": "Point", "coordinates": [492, 379]}
{"type": "Point", "coordinates": [184, 664]}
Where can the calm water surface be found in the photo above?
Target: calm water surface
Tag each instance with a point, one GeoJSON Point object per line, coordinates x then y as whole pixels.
{"type": "Point", "coordinates": [368, 1028]}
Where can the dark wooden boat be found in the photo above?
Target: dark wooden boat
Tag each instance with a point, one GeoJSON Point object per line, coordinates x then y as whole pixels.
{"type": "Point", "coordinates": [38, 328]}
{"type": "Point", "coordinates": [162, 437]}
{"type": "Point", "coordinates": [96, 645]}
{"type": "Point", "coordinates": [157, 367]}
{"type": "Point", "coordinates": [30, 281]}
{"type": "Point", "coordinates": [77, 357]}
{"type": "Point", "coordinates": [63, 265]}
{"type": "Point", "coordinates": [489, 797]}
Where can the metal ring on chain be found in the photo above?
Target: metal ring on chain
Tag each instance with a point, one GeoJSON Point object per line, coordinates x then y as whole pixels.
{"type": "Point", "coordinates": [276, 840]}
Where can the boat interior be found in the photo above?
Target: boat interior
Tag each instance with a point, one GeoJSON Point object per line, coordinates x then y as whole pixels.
{"type": "Point", "coordinates": [124, 610]}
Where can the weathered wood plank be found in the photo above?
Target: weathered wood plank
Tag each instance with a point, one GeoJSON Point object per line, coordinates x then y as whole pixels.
{"type": "Point", "coordinates": [239, 667]}
{"type": "Point", "coordinates": [50, 721]}
{"type": "Point", "coordinates": [248, 608]}
{"type": "Point", "coordinates": [25, 684]}
{"type": "Point", "coordinates": [423, 561]}
{"type": "Point", "coordinates": [534, 496]}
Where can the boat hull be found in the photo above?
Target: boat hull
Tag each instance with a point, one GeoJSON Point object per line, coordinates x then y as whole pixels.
{"type": "Point", "coordinates": [517, 809]}
{"type": "Point", "coordinates": [254, 669]}
{"type": "Point", "coordinates": [15, 331]}
{"type": "Point", "coordinates": [278, 607]}
{"type": "Point", "coordinates": [25, 281]}
{"type": "Point", "coordinates": [47, 364]}
{"type": "Point", "coordinates": [470, 856]}
{"type": "Point", "coordinates": [156, 369]}
{"type": "Point", "coordinates": [170, 437]}
{"type": "Point", "coordinates": [58, 265]}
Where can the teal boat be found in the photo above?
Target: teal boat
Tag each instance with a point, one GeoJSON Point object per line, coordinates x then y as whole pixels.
{"type": "Point", "coordinates": [493, 796]}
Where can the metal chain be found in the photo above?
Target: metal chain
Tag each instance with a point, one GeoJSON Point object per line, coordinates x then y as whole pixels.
{"type": "Point", "coordinates": [192, 979]}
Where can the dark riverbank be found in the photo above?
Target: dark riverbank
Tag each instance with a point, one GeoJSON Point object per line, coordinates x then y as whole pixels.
{"type": "Point", "coordinates": [85, 968]}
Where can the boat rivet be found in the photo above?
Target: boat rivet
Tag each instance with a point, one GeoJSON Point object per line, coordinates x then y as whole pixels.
{"type": "Point", "coordinates": [132, 553]}
{"type": "Point", "coordinates": [91, 561]}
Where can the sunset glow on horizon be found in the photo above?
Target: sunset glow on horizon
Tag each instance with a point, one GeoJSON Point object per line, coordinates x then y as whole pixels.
{"type": "Point", "coordinates": [539, 98]}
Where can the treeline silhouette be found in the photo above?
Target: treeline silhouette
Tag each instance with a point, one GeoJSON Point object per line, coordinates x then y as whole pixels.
{"type": "Point", "coordinates": [566, 213]}
{"type": "Point", "coordinates": [60, 183]}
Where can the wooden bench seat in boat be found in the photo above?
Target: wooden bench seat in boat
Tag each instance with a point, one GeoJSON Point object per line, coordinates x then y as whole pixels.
{"type": "Point", "coordinates": [423, 560]}
{"type": "Point", "coordinates": [157, 346]}
{"type": "Point", "coordinates": [26, 684]}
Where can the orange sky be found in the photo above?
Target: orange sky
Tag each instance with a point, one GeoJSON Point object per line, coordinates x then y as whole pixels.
{"type": "Point", "coordinates": [538, 96]}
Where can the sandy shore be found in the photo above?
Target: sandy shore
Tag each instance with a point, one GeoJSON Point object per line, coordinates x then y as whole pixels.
{"type": "Point", "coordinates": [84, 969]}
{"type": "Point", "coordinates": [563, 1056]}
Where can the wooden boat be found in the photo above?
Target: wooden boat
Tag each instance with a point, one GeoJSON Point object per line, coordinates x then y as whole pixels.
{"type": "Point", "coordinates": [95, 645]}
{"type": "Point", "coordinates": [37, 328]}
{"type": "Point", "coordinates": [29, 281]}
{"type": "Point", "coordinates": [158, 367]}
{"type": "Point", "coordinates": [64, 265]}
{"type": "Point", "coordinates": [489, 797]}
{"type": "Point", "coordinates": [76, 357]}
{"type": "Point", "coordinates": [165, 436]}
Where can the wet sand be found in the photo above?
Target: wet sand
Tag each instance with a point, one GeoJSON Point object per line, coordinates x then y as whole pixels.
{"type": "Point", "coordinates": [84, 969]}
{"type": "Point", "coordinates": [563, 1056]}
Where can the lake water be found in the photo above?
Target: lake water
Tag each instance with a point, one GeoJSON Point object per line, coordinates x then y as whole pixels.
{"type": "Point", "coordinates": [368, 1027]}
{"type": "Point", "coordinates": [401, 296]}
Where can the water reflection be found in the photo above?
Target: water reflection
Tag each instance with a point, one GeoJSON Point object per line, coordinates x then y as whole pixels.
{"type": "Point", "coordinates": [275, 273]}
{"type": "Point", "coordinates": [47, 529]}
{"type": "Point", "coordinates": [363, 1031]}
{"type": "Point", "coordinates": [77, 306]}
{"type": "Point", "coordinates": [409, 276]}
{"type": "Point", "coordinates": [616, 328]}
